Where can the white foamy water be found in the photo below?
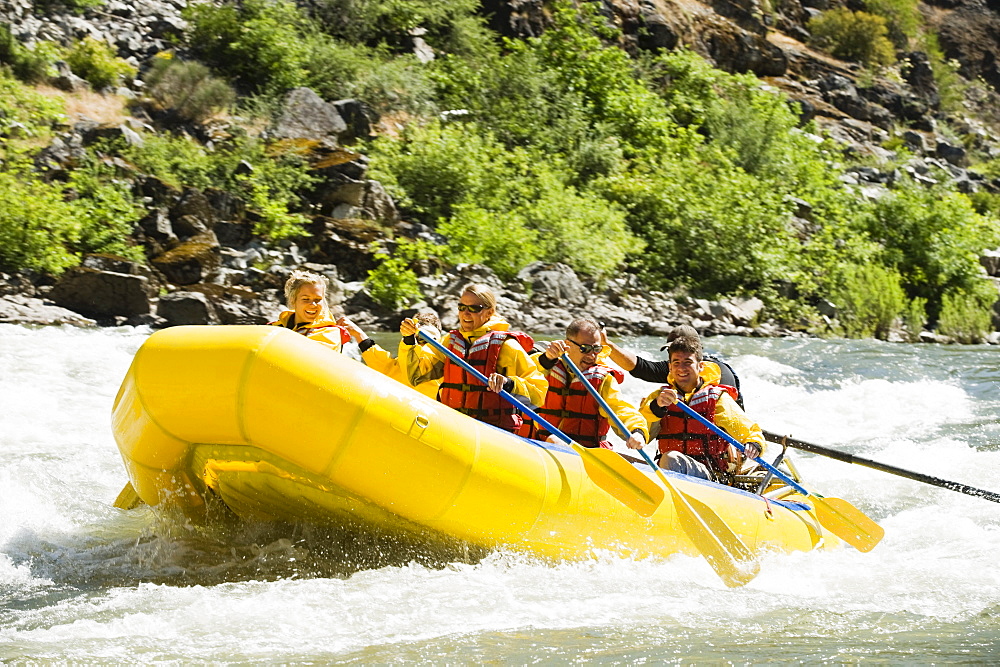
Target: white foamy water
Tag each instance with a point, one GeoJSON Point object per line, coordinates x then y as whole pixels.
{"type": "Point", "coordinates": [82, 581]}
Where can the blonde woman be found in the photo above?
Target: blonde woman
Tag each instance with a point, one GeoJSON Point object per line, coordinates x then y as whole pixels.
{"type": "Point", "coordinates": [309, 314]}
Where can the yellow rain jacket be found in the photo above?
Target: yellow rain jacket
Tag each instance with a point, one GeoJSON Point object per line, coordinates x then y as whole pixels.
{"type": "Point", "coordinates": [625, 411]}
{"type": "Point", "coordinates": [729, 416]}
{"type": "Point", "coordinates": [324, 329]}
{"type": "Point", "coordinates": [424, 363]}
{"type": "Point", "coordinates": [380, 360]}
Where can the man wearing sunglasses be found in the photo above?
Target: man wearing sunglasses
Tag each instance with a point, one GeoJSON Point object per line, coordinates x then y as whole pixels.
{"type": "Point", "coordinates": [568, 404]}
{"type": "Point", "coordinates": [484, 340]}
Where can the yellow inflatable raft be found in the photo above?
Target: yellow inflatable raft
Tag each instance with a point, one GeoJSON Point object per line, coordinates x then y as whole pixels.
{"type": "Point", "coordinates": [280, 428]}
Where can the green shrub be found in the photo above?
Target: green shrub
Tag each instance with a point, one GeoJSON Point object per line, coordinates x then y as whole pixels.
{"type": "Point", "coordinates": [755, 125]}
{"type": "Point", "coordinates": [856, 36]}
{"type": "Point", "coordinates": [393, 283]}
{"type": "Point", "coordinates": [36, 225]}
{"type": "Point", "coordinates": [260, 43]}
{"type": "Point", "coordinates": [914, 318]}
{"type": "Point", "coordinates": [903, 20]}
{"type": "Point", "coordinates": [951, 86]}
{"type": "Point", "coordinates": [270, 186]}
{"type": "Point", "coordinates": [499, 239]}
{"type": "Point", "coordinates": [93, 60]}
{"type": "Point", "coordinates": [710, 227]}
{"type": "Point", "coordinates": [29, 65]}
{"type": "Point", "coordinates": [452, 27]}
{"type": "Point", "coordinates": [50, 7]}
{"type": "Point", "coordinates": [933, 237]}
{"type": "Point", "coordinates": [32, 114]}
{"type": "Point", "coordinates": [966, 316]}
{"type": "Point", "coordinates": [869, 300]}
{"type": "Point", "coordinates": [433, 168]}
{"type": "Point", "coordinates": [189, 89]}
{"type": "Point", "coordinates": [105, 210]}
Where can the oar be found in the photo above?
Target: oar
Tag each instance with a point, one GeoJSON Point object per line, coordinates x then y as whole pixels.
{"type": "Point", "coordinates": [893, 470]}
{"type": "Point", "coordinates": [835, 514]}
{"type": "Point", "coordinates": [608, 470]}
{"type": "Point", "coordinates": [722, 548]}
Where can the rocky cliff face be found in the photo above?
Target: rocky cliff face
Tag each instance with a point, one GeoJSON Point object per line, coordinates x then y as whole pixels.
{"type": "Point", "coordinates": [207, 267]}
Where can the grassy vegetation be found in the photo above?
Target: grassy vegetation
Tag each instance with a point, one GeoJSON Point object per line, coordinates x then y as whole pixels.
{"type": "Point", "coordinates": [559, 147]}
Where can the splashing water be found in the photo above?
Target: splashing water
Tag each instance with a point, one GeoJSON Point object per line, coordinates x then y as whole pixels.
{"type": "Point", "coordinates": [82, 581]}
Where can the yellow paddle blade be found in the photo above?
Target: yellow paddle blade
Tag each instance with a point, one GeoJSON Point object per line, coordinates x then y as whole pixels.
{"type": "Point", "coordinates": [848, 523]}
{"type": "Point", "coordinates": [127, 498]}
{"type": "Point", "coordinates": [615, 475]}
{"type": "Point", "coordinates": [731, 559]}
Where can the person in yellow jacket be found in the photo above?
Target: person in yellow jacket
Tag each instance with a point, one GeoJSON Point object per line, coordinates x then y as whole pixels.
{"type": "Point", "coordinates": [309, 314]}
{"type": "Point", "coordinates": [568, 404]}
{"type": "Point", "coordinates": [484, 340]}
{"type": "Point", "coordinates": [685, 444]}
{"type": "Point", "coordinates": [713, 369]}
{"type": "Point", "coordinates": [379, 359]}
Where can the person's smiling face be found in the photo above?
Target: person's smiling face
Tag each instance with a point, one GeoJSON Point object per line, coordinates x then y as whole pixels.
{"type": "Point", "coordinates": [468, 320]}
{"type": "Point", "coordinates": [309, 303]}
{"type": "Point", "coordinates": [685, 369]}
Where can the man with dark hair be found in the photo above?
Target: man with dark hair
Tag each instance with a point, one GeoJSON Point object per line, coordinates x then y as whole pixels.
{"type": "Point", "coordinates": [715, 370]}
{"type": "Point", "coordinates": [685, 444]}
{"type": "Point", "coordinates": [568, 404]}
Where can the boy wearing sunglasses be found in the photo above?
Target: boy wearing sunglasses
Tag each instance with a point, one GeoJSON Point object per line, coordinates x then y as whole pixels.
{"type": "Point", "coordinates": [568, 404]}
{"type": "Point", "coordinates": [484, 340]}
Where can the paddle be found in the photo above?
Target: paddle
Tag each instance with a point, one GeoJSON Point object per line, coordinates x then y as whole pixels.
{"type": "Point", "coordinates": [605, 468]}
{"type": "Point", "coordinates": [836, 515]}
{"type": "Point", "coordinates": [722, 548]}
{"type": "Point", "coordinates": [851, 458]}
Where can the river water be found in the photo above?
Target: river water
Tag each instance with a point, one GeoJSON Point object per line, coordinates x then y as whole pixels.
{"type": "Point", "coordinates": [81, 581]}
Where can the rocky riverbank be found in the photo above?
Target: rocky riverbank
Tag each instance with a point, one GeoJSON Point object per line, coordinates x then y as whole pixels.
{"type": "Point", "coordinates": [206, 265]}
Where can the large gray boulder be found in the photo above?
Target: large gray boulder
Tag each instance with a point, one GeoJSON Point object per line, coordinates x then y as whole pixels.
{"type": "Point", "coordinates": [102, 294]}
{"type": "Point", "coordinates": [307, 116]}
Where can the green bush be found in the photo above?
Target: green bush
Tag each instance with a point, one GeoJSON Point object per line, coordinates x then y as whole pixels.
{"type": "Point", "coordinates": [451, 27]}
{"type": "Point", "coordinates": [260, 43]}
{"type": "Point", "coordinates": [966, 316]}
{"type": "Point", "coordinates": [499, 239]}
{"type": "Point", "coordinates": [189, 89]}
{"type": "Point", "coordinates": [903, 20]}
{"type": "Point", "coordinates": [36, 225]}
{"type": "Point", "coordinates": [26, 113]}
{"type": "Point", "coordinates": [29, 65]}
{"type": "Point", "coordinates": [393, 283]}
{"type": "Point", "coordinates": [51, 7]}
{"type": "Point", "coordinates": [933, 237]}
{"type": "Point", "coordinates": [106, 211]}
{"type": "Point", "coordinates": [869, 300]}
{"type": "Point", "coordinates": [270, 186]}
{"type": "Point", "coordinates": [709, 227]}
{"type": "Point", "coordinates": [501, 207]}
{"type": "Point", "coordinates": [914, 318]}
{"type": "Point", "coordinates": [856, 36]}
{"type": "Point", "coordinates": [93, 60]}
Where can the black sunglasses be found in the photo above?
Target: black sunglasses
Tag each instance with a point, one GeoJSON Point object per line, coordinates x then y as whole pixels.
{"type": "Point", "coordinates": [470, 309]}
{"type": "Point", "coordinates": [587, 349]}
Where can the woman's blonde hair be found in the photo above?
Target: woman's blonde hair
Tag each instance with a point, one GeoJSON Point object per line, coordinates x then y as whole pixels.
{"type": "Point", "coordinates": [300, 278]}
{"type": "Point", "coordinates": [482, 292]}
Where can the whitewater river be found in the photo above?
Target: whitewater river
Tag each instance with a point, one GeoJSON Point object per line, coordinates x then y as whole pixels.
{"type": "Point", "coordinates": [81, 581]}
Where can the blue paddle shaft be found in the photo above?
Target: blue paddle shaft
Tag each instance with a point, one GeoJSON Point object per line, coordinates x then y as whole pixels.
{"type": "Point", "coordinates": [733, 441]}
{"type": "Point", "coordinates": [604, 404]}
{"type": "Point", "coordinates": [506, 395]}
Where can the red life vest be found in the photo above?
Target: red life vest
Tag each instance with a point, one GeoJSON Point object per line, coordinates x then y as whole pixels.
{"type": "Point", "coordinates": [571, 408]}
{"type": "Point", "coordinates": [681, 433]}
{"type": "Point", "coordinates": [465, 393]}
